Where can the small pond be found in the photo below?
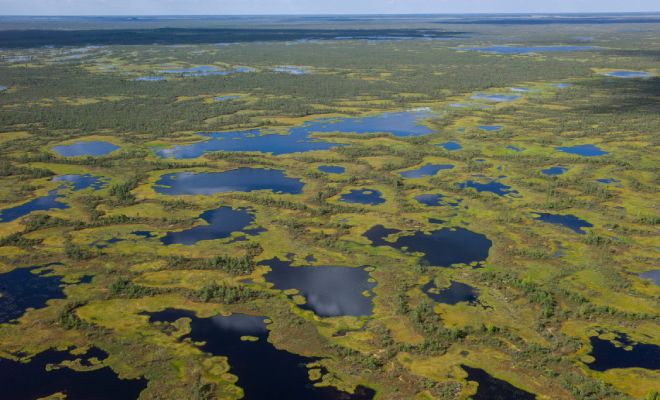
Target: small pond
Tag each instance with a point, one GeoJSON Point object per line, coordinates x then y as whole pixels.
{"type": "Point", "coordinates": [492, 186]}
{"type": "Point", "coordinates": [625, 355]}
{"type": "Point", "coordinates": [80, 182]}
{"type": "Point", "coordinates": [220, 224]}
{"type": "Point", "coordinates": [514, 148]}
{"type": "Point", "coordinates": [456, 293]}
{"type": "Point", "coordinates": [150, 79]}
{"type": "Point", "coordinates": [43, 376]}
{"type": "Point", "coordinates": [554, 171]}
{"type": "Point", "coordinates": [291, 69]}
{"type": "Point", "coordinates": [496, 97]}
{"type": "Point", "coordinates": [584, 150]}
{"type": "Point", "coordinates": [425, 170]}
{"type": "Point", "coordinates": [332, 169]}
{"type": "Point", "coordinates": [568, 221]}
{"type": "Point", "coordinates": [263, 371]}
{"type": "Point", "coordinates": [522, 50]}
{"type": "Point", "coordinates": [237, 180]}
{"type": "Point", "coordinates": [442, 248]}
{"type": "Point", "coordinates": [653, 275]}
{"type": "Point", "coordinates": [91, 148]}
{"type": "Point", "coordinates": [363, 196]}
{"type": "Point", "coordinates": [490, 128]}
{"type": "Point", "coordinates": [24, 288]}
{"type": "Point", "coordinates": [491, 388]}
{"type": "Point", "coordinates": [225, 98]}
{"type": "Point", "coordinates": [49, 202]}
{"type": "Point", "coordinates": [628, 74]}
{"type": "Point", "coordinates": [450, 146]}
{"type": "Point", "coordinates": [329, 291]}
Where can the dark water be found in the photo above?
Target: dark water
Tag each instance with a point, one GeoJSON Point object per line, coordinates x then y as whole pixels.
{"type": "Point", "coordinates": [221, 223]}
{"type": "Point", "coordinates": [225, 98]}
{"type": "Point", "coordinates": [520, 89]}
{"type": "Point", "coordinates": [430, 200]}
{"type": "Point", "coordinates": [426, 170]}
{"type": "Point", "coordinates": [298, 139]}
{"type": "Point", "coordinates": [205, 70]}
{"type": "Point", "coordinates": [49, 202]}
{"type": "Point", "coordinates": [332, 169]}
{"type": "Point", "coordinates": [236, 180]}
{"type": "Point", "coordinates": [584, 150]}
{"type": "Point", "coordinates": [491, 388]}
{"type": "Point", "coordinates": [450, 146]}
{"type": "Point", "coordinates": [569, 221]}
{"type": "Point", "coordinates": [456, 293]}
{"type": "Point", "coordinates": [150, 79]}
{"type": "Point", "coordinates": [92, 148]}
{"type": "Point", "coordinates": [609, 356]}
{"type": "Point", "coordinates": [442, 248]}
{"type": "Point", "coordinates": [496, 97]}
{"type": "Point", "coordinates": [263, 371]}
{"type": "Point", "coordinates": [80, 182]}
{"type": "Point", "coordinates": [514, 148]}
{"type": "Point", "coordinates": [629, 74]}
{"type": "Point", "coordinates": [554, 171]}
{"type": "Point", "coordinates": [653, 275]}
{"type": "Point", "coordinates": [608, 181]}
{"type": "Point", "coordinates": [490, 128]}
{"type": "Point", "coordinates": [518, 50]}
{"type": "Point", "coordinates": [31, 380]}
{"type": "Point", "coordinates": [493, 186]}
{"type": "Point", "coordinates": [363, 196]}
{"type": "Point", "coordinates": [25, 288]}
{"type": "Point", "coordinates": [329, 291]}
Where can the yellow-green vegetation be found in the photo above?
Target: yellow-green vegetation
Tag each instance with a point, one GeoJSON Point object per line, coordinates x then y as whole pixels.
{"type": "Point", "coordinates": [544, 290]}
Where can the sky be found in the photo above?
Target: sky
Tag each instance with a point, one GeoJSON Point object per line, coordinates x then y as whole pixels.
{"type": "Point", "coordinates": [251, 7]}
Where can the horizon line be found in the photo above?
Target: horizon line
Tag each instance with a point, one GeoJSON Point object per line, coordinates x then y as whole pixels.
{"type": "Point", "coordinates": [338, 14]}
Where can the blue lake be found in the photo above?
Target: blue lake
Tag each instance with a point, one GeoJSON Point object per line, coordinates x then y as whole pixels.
{"type": "Point", "coordinates": [491, 388]}
{"type": "Point", "coordinates": [425, 170]}
{"type": "Point", "coordinates": [3, 88]}
{"type": "Point", "coordinates": [24, 288]}
{"type": "Point", "coordinates": [456, 293]}
{"type": "Point", "coordinates": [568, 221]}
{"type": "Point", "coordinates": [220, 224]}
{"type": "Point", "coordinates": [363, 196]}
{"type": "Point", "coordinates": [80, 182]}
{"type": "Point", "coordinates": [150, 79]}
{"type": "Point", "coordinates": [263, 371]}
{"type": "Point", "coordinates": [629, 74]}
{"type": "Point", "coordinates": [520, 89]}
{"type": "Point", "coordinates": [496, 97]}
{"type": "Point", "coordinates": [430, 200]}
{"type": "Point", "coordinates": [225, 98]}
{"type": "Point", "coordinates": [490, 128]}
{"type": "Point", "coordinates": [519, 50]}
{"type": "Point", "coordinates": [610, 356]}
{"type": "Point", "coordinates": [49, 202]}
{"type": "Point", "coordinates": [493, 186]}
{"type": "Point", "coordinates": [441, 248]}
{"type": "Point", "coordinates": [563, 85]}
{"type": "Point", "coordinates": [584, 150]}
{"type": "Point", "coordinates": [291, 69]}
{"type": "Point", "coordinates": [653, 275]}
{"type": "Point", "coordinates": [298, 139]}
{"type": "Point", "coordinates": [92, 148]}
{"type": "Point", "coordinates": [237, 180]}
{"type": "Point", "coordinates": [554, 171]}
{"type": "Point", "coordinates": [514, 148]}
{"type": "Point", "coordinates": [329, 291]}
{"type": "Point", "coordinates": [450, 146]}
{"type": "Point", "coordinates": [608, 181]}
{"type": "Point", "coordinates": [34, 379]}
{"type": "Point", "coordinates": [205, 70]}
{"type": "Point", "coordinates": [332, 169]}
